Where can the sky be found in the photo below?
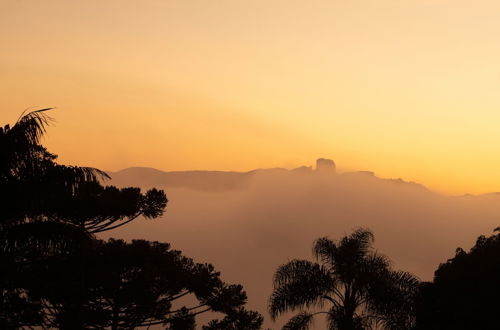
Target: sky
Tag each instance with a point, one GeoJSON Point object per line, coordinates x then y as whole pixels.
{"type": "Point", "coordinates": [404, 88]}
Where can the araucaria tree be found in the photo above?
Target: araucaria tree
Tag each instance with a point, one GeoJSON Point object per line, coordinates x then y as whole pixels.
{"type": "Point", "coordinates": [353, 285]}
{"type": "Point", "coordinates": [129, 285]}
{"type": "Point", "coordinates": [56, 274]}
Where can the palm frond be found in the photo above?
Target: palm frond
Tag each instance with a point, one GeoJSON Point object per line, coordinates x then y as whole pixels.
{"type": "Point", "coordinates": [376, 262]}
{"type": "Point", "coordinates": [393, 297]}
{"type": "Point", "coordinates": [20, 143]}
{"type": "Point", "coordinates": [30, 127]}
{"type": "Point", "coordinates": [294, 271]}
{"type": "Point", "coordinates": [75, 175]}
{"type": "Point", "coordinates": [324, 249]}
{"type": "Point", "coordinates": [363, 239]}
{"type": "Point", "coordinates": [299, 284]}
{"type": "Point", "coordinates": [337, 320]}
{"type": "Point", "coordinates": [301, 321]}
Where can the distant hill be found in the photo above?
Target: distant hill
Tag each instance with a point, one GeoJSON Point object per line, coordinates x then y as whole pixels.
{"type": "Point", "coordinates": [248, 223]}
{"type": "Point", "coordinates": [225, 180]}
{"type": "Point", "coordinates": [197, 180]}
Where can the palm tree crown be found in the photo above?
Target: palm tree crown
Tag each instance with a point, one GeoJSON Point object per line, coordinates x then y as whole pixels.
{"type": "Point", "coordinates": [354, 280]}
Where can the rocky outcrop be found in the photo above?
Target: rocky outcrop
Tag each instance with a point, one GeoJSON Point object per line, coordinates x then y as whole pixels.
{"type": "Point", "coordinates": [324, 165]}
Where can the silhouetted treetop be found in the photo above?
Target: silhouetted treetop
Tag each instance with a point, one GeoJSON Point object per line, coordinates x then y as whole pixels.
{"type": "Point", "coordinates": [36, 188]}
{"type": "Point", "coordinates": [28, 172]}
{"type": "Point", "coordinates": [96, 208]}
{"type": "Point", "coordinates": [142, 283]}
{"type": "Point", "coordinates": [50, 213]}
{"type": "Point", "coordinates": [352, 279]}
{"type": "Point", "coordinates": [239, 319]}
{"type": "Point", "coordinates": [57, 274]}
{"type": "Point", "coordinates": [465, 293]}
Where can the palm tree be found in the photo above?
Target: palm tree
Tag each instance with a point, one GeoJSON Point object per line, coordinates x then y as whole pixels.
{"type": "Point", "coordinates": [28, 172]}
{"type": "Point", "coordinates": [27, 168]}
{"type": "Point", "coordinates": [51, 210]}
{"type": "Point", "coordinates": [355, 281]}
{"type": "Point", "coordinates": [22, 151]}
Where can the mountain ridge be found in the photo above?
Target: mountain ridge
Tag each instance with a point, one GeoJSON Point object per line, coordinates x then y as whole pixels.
{"type": "Point", "coordinates": [226, 179]}
{"type": "Point", "coordinates": [218, 180]}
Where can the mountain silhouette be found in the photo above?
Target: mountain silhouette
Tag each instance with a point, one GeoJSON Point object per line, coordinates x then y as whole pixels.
{"type": "Point", "coordinates": [213, 181]}
{"type": "Point", "coordinates": [248, 223]}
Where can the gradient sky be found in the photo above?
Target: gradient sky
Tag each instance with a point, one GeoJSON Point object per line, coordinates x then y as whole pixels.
{"type": "Point", "coordinates": [405, 88]}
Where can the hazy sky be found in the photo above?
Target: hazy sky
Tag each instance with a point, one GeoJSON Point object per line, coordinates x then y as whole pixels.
{"type": "Point", "coordinates": [405, 88]}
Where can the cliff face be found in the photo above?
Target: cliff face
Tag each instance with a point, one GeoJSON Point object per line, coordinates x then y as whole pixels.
{"type": "Point", "coordinates": [324, 165]}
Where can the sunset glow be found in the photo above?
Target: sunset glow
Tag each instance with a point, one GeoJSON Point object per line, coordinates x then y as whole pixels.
{"type": "Point", "coordinates": [406, 89]}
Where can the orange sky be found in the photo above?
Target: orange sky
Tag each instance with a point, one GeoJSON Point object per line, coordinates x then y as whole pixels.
{"type": "Point", "coordinates": [404, 88]}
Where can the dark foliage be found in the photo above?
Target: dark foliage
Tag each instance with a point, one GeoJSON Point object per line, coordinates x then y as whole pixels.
{"type": "Point", "coordinates": [34, 187]}
{"type": "Point", "coordinates": [56, 274]}
{"type": "Point", "coordinates": [127, 285]}
{"type": "Point", "coordinates": [29, 173]}
{"type": "Point", "coordinates": [239, 319]}
{"type": "Point", "coordinates": [465, 293]}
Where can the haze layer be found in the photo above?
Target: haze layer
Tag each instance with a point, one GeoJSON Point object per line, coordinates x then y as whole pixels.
{"type": "Point", "coordinates": [248, 223]}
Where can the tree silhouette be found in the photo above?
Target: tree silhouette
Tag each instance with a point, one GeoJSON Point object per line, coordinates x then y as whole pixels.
{"type": "Point", "coordinates": [29, 174]}
{"type": "Point", "coordinates": [357, 282]}
{"type": "Point", "coordinates": [465, 291]}
{"type": "Point", "coordinates": [55, 273]}
{"type": "Point", "coordinates": [36, 188]}
{"type": "Point", "coordinates": [95, 208]}
{"type": "Point", "coordinates": [239, 319]}
{"type": "Point", "coordinates": [129, 285]}
{"type": "Point", "coordinates": [51, 208]}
